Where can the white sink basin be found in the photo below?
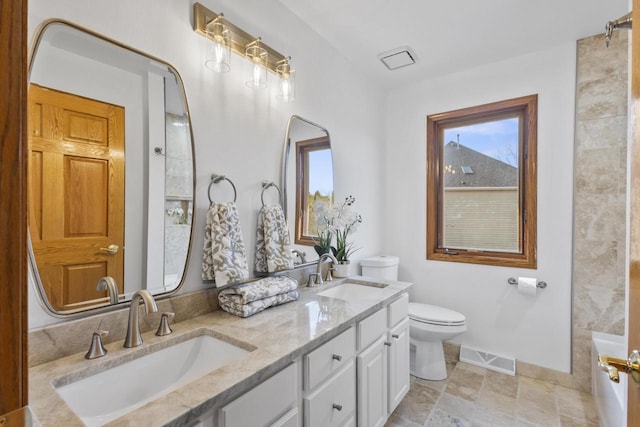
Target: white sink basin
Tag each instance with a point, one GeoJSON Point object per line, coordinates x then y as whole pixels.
{"type": "Point", "coordinates": [357, 292]}
{"type": "Point", "coordinates": [105, 396]}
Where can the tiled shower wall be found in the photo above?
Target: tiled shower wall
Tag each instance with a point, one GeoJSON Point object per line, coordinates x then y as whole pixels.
{"type": "Point", "coordinates": [600, 173]}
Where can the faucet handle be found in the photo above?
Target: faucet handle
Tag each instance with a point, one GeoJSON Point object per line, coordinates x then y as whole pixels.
{"type": "Point", "coordinates": [97, 349]}
{"type": "Point", "coordinates": [329, 277]}
{"type": "Point", "coordinates": [314, 279]}
{"type": "Point", "coordinates": [164, 328]}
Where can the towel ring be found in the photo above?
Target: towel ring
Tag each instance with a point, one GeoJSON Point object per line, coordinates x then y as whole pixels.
{"type": "Point", "coordinates": [216, 179]}
{"type": "Point", "coordinates": [265, 186]}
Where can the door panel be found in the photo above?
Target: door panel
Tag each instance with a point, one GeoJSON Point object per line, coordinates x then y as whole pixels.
{"type": "Point", "coordinates": [633, 316]}
{"type": "Point", "coordinates": [13, 207]}
{"type": "Point", "coordinates": [76, 187]}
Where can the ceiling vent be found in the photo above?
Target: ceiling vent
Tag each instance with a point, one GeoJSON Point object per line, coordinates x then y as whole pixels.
{"type": "Point", "coordinates": [398, 58]}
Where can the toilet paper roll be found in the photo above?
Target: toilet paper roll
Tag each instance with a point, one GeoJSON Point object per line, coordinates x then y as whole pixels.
{"type": "Point", "coordinates": [527, 286]}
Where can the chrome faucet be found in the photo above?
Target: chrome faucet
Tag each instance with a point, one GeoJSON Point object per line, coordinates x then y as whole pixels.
{"type": "Point", "coordinates": [300, 254]}
{"type": "Point", "coordinates": [108, 284]}
{"type": "Point", "coordinates": [133, 338]}
{"type": "Point", "coordinates": [316, 278]}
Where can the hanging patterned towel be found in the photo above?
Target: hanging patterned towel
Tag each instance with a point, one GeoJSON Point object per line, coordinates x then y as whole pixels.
{"type": "Point", "coordinates": [258, 290]}
{"type": "Point", "coordinates": [224, 258]}
{"type": "Point", "coordinates": [246, 310]}
{"type": "Point", "coordinates": [273, 244]}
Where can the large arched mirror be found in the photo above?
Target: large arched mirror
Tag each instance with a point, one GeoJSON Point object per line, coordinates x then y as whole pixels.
{"type": "Point", "coordinates": [307, 176]}
{"type": "Point", "coordinates": [111, 171]}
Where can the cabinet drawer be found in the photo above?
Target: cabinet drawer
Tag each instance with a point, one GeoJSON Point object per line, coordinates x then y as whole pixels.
{"type": "Point", "coordinates": [263, 404]}
{"type": "Point", "coordinates": [333, 403]}
{"type": "Point", "coordinates": [371, 328]}
{"type": "Point", "coordinates": [398, 310]}
{"type": "Point", "coordinates": [290, 419]}
{"type": "Point", "coordinates": [328, 358]}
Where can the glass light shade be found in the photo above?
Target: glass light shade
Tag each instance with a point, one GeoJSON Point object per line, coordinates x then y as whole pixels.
{"type": "Point", "coordinates": [257, 74]}
{"type": "Point", "coordinates": [219, 51]}
{"type": "Point", "coordinates": [287, 86]}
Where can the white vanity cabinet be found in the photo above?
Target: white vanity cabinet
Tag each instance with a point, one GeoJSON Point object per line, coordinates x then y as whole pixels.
{"type": "Point", "coordinates": [383, 367]}
{"type": "Point", "coordinates": [356, 378]}
{"type": "Point", "coordinates": [274, 402]}
{"type": "Point", "coordinates": [330, 383]}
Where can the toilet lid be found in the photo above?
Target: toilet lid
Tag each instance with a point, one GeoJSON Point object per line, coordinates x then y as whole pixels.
{"type": "Point", "coordinates": [435, 315]}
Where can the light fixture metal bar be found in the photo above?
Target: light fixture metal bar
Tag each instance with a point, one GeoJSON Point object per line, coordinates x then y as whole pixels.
{"type": "Point", "coordinates": [239, 38]}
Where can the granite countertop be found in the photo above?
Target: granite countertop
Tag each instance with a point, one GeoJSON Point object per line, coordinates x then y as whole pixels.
{"type": "Point", "coordinates": [276, 336]}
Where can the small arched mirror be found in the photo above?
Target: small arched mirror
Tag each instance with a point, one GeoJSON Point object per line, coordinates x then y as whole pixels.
{"type": "Point", "coordinates": [111, 171]}
{"type": "Point", "coordinates": [307, 175]}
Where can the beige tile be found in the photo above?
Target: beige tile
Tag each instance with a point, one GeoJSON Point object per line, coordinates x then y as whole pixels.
{"type": "Point", "coordinates": [397, 421]}
{"type": "Point", "coordinates": [536, 402]}
{"type": "Point", "coordinates": [500, 383]}
{"type": "Point", "coordinates": [440, 418]}
{"type": "Point", "coordinates": [484, 417]}
{"type": "Point", "coordinates": [603, 97]}
{"type": "Point", "coordinates": [595, 60]}
{"type": "Point", "coordinates": [435, 385]}
{"type": "Point", "coordinates": [455, 406]}
{"type": "Point", "coordinates": [418, 403]}
{"type": "Point", "coordinates": [577, 405]}
{"type": "Point", "coordinates": [597, 171]}
{"type": "Point", "coordinates": [598, 308]}
{"type": "Point", "coordinates": [524, 423]}
{"type": "Point", "coordinates": [596, 262]}
{"type": "Point", "coordinates": [572, 422]}
{"type": "Point", "coordinates": [465, 381]}
{"type": "Point", "coordinates": [600, 216]}
{"type": "Point", "coordinates": [601, 133]}
{"type": "Point", "coordinates": [497, 402]}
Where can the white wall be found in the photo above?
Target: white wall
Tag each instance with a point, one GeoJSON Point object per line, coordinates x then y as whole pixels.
{"type": "Point", "coordinates": [534, 330]}
{"type": "Point", "coordinates": [238, 131]}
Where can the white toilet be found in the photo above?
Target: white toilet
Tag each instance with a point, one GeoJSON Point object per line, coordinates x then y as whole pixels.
{"type": "Point", "coordinates": [429, 325]}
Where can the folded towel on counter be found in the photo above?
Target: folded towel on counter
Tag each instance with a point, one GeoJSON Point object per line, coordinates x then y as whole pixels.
{"type": "Point", "coordinates": [273, 244]}
{"type": "Point", "coordinates": [251, 308]}
{"type": "Point", "coordinates": [224, 259]}
{"type": "Point", "coordinates": [258, 290]}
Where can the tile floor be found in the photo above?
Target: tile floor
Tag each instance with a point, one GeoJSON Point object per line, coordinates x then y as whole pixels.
{"type": "Point", "coordinates": [475, 397]}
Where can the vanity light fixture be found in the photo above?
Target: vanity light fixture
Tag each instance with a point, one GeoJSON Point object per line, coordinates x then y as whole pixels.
{"type": "Point", "coordinates": [219, 52]}
{"type": "Point", "coordinates": [257, 74]}
{"type": "Point", "coordinates": [263, 58]}
{"type": "Point", "coordinates": [287, 84]}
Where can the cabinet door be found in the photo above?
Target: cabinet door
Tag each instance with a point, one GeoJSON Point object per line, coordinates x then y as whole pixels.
{"type": "Point", "coordinates": [372, 384]}
{"type": "Point", "coordinates": [398, 363]}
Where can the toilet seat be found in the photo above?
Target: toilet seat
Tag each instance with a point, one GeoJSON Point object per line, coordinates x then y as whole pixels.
{"type": "Point", "coordinates": [434, 315]}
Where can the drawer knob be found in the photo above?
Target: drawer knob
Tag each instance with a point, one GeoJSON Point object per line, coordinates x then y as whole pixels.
{"type": "Point", "coordinates": [337, 407]}
{"type": "Point", "coordinates": [387, 343]}
{"type": "Point", "coordinates": [336, 357]}
{"type": "Point", "coordinates": [396, 336]}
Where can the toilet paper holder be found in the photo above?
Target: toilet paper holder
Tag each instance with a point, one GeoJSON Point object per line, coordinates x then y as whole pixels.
{"type": "Point", "coordinates": [514, 281]}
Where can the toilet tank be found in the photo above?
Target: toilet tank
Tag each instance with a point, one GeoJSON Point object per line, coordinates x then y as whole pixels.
{"type": "Point", "coordinates": [381, 267]}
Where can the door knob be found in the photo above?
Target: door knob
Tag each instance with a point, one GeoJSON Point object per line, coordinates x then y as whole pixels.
{"type": "Point", "coordinates": [612, 366]}
{"type": "Point", "coordinates": [111, 249]}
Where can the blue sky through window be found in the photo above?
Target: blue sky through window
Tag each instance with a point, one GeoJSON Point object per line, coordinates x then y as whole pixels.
{"type": "Point", "coordinates": [320, 172]}
{"type": "Point", "coordinates": [497, 139]}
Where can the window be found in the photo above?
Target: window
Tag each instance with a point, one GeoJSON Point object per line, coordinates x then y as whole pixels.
{"type": "Point", "coordinates": [481, 184]}
{"type": "Point", "coordinates": [314, 180]}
